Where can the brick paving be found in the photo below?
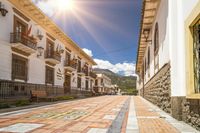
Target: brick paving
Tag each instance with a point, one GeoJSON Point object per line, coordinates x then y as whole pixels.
{"type": "Point", "coordinates": [81, 116]}
{"type": "Point", "coordinates": [93, 115]}
{"type": "Point", "coordinates": [150, 121]}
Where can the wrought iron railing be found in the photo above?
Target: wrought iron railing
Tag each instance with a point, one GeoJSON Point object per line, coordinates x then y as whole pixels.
{"type": "Point", "coordinates": [53, 55]}
{"type": "Point", "coordinates": [15, 90]}
{"type": "Point", "coordinates": [12, 89]}
{"type": "Point", "coordinates": [71, 63]}
{"type": "Point", "coordinates": [93, 75]}
{"type": "Point", "coordinates": [18, 37]}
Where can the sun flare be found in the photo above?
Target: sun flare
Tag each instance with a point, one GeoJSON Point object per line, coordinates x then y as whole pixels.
{"type": "Point", "coordinates": [64, 5]}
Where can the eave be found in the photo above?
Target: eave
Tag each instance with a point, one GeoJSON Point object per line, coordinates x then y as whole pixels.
{"type": "Point", "coordinates": [148, 14]}
{"type": "Point", "coordinates": [29, 9]}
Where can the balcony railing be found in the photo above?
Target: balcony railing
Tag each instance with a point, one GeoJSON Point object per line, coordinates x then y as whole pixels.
{"type": "Point", "coordinates": [93, 75]}
{"type": "Point", "coordinates": [71, 63]}
{"type": "Point", "coordinates": [18, 37]}
{"type": "Point", "coordinates": [85, 70]}
{"type": "Point", "coordinates": [53, 55]}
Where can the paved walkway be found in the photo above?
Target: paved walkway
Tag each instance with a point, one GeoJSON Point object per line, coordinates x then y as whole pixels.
{"type": "Point", "coordinates": [105, 114]}
{"type": "Point", "coordinates": [144, 117]}
{"type": "Point", "coordinates": [92, 115]}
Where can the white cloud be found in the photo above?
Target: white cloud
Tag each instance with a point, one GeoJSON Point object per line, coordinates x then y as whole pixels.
{"type": "Point", "coordinates": [87, 51]}
{"type": "Point", "coordinates": [126, 69]}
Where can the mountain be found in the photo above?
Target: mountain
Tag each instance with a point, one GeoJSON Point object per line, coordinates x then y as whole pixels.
{"type": "Point", "coordinates": [127, 84]}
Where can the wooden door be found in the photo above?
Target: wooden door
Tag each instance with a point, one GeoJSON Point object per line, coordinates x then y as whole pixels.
{"type": "Point", "coordinates": [67, 84]}
{"type": "Point", "coordinates": [50, 48]}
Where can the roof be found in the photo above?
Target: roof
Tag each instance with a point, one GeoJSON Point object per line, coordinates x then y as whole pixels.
{"type": "Point", "coordinates": [149, 10]}
{"type": "Point", "coordinates": [28, 8]}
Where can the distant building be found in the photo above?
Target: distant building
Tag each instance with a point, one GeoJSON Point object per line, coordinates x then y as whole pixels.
{"type": "Point", "coordinates": [168, 57]}
{"type": "Point", "coordinates": [115, 89]}
{"type": "Point", "coordinates": [102, 84]}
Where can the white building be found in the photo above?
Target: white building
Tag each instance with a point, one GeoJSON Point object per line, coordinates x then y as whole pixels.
{"type": "Point", "coordinates": [168, 60]}
{"type": "Point", "coordinates": [102, 84]}
{"type": "Point", "coordinates": [36, 54]}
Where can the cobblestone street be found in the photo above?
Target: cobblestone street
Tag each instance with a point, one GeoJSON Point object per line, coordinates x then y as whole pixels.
{"type": "Point", "coordinates": [93, 115]}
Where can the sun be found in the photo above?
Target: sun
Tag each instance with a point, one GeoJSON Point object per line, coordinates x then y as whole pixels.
{"type": "Point", "coordinates": [64, 5]}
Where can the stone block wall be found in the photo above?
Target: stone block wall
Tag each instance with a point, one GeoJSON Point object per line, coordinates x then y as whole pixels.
{"type": "Point", "coordinates": [157, 90]}
{"type": "Point", "coordinates": [191, 112]}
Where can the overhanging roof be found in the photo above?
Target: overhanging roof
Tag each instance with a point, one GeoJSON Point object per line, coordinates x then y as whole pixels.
{"type": "Point", "coordinates": [149, 10]}
{"type": "Point", "coordinates": [30, 10]}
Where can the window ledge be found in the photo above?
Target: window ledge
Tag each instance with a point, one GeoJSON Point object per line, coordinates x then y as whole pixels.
{"type": "Point", "coordinates": [193, 96]}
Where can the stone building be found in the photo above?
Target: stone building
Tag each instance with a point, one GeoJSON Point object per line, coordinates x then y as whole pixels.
{"type": "Point", "coordinates": [168, 57]}
{"type": "Point", "coordinates": [36, 55]}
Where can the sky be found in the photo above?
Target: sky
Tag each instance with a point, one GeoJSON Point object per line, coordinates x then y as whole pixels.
{"type": "Point", "coordinates": [107, 30]}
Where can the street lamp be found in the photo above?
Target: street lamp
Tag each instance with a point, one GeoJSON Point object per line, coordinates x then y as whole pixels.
{"type": "Point", "coordinates": [40, 51]}
{"type": "Point", "coordinates": [3, 10]}
{"type": "Point", "coordinates": [146, 33]}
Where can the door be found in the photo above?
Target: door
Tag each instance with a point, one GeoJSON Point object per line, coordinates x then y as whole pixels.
{"type": "Point", "coordinates": [50, 48]}
{"type": "Point", "coordinates": [20, 30]}
{"type": "Point", "coordinates": [20, 26]}
{"type": "Point", "coordinates": [67, 84]}
{"type": "Point", "coordinates": [79, 66]}
{"type": "Point", "coordinates": [86, 84]}
{"type": "Point", "coordinates": [79, 83]}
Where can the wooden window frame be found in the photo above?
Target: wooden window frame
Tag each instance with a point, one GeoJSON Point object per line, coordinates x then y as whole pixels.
{"type": "Point", "coordinates": [14, 67]}
{"type": "Point", "coordinates": [47, 81]}
{"type": "Point", "coordinates": [17, 19]}
{"type": "Point", "coordinates": [68, 58]}
{"type": "Point", "coordinates": [189, 23]}
{"type": "Point", "coordinates": [79, 82]}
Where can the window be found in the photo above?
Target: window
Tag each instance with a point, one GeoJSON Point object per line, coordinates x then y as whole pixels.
{"type": "Point", "coordinates": [49, 48]}
{"type": "Point", "coordinates": [79, 82]}
{"type": "Point", "coordinates": [49, 75]}
{"type": "Point", "coordinates": [96, 82]}
{"type": "Point", "coordinates": [148, 63]}
{"type": "Point", "coordinates": [79, 66]}
{"type": "Point", "coordinates": [156, 47]}
{"type": "Point", "coordinates": [196, 47]}
{"type": "Point", "coordinates": [67, 58]}
{"type": "Point", "coordinates": [86, 84]}
{"type": "Point", "coordinates": [19, 68]}
{"type": "Point", "coordinates": [156, 39]}
{"type": "Point", "coordinates": [192, 47]}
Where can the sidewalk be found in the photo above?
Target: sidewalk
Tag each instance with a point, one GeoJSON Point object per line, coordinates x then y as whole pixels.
{"type": "Point", "coordinates": [144, 117]}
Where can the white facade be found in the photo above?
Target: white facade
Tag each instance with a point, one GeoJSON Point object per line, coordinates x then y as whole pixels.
{"type": "Point", "coordinates": [171, 16]}
{"type": "Point", "coordinates": [37, 64]}
{"type": "Point", "coordinates": [103, 83]}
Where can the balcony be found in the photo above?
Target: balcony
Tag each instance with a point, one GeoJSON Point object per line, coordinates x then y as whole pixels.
{"type": "Point", "coordinates": [71, 65]}
{"type": "Point", "coordinates": [23, 42]}
{"type": "Point", "coordinates": [85, 71]}
{"type": "Point", "coordinates": [93, 75]}
{"type": "Point", "coordinates": [52, 57]}
{"type": "Point", "coordinates": [81, 72]}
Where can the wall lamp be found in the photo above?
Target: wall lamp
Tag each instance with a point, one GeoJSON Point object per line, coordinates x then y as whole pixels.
{"type": "Point", "coordinates": [40, 51]}
{"type": "Point", "coordinates": [3, 10]}
{"type": "Point", "coordinates": [146, 33]}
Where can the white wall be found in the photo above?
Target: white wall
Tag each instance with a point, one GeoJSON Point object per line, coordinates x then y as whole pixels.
{"type": "Point", "coordinates": [162, 20]}
{"type": "Point", "coordinates": [179, 11]}
{"type": "Point", "coordinates": [36, 65]}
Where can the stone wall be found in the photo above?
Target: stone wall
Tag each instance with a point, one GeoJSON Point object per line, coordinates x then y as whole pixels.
{"type": "Point", "coordinates": [191, 112]}
{"type": "Point", "coordinates": [157, 90]}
